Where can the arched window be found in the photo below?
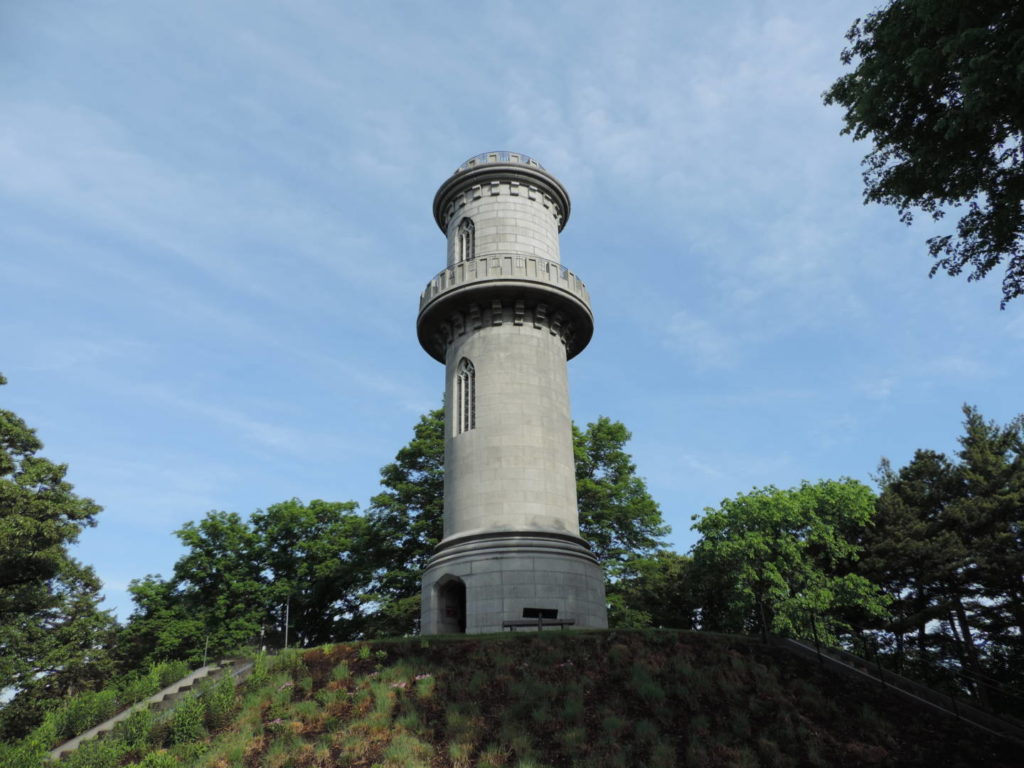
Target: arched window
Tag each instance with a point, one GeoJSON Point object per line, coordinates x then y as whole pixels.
{"type": "Point", "coordinates": [465, 248]}
{"type": "Point", "coordinates": [465, 397]}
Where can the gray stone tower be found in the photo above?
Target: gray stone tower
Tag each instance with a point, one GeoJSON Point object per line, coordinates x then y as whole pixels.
{"type": "Point", "coordinates": [504, 317]}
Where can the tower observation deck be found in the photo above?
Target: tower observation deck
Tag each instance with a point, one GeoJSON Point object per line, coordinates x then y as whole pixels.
{"type": "Point", "coordinates": [504, 316]}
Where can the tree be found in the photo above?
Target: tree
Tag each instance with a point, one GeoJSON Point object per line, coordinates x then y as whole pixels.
{"type": "Point", "coordinates": [660, 591]}
{"type": "Point", "coordinates": [41, 515]}
{"type": "Point", "coordinates": [780, 560]}
{"type": "Point", "coordinates": [52, 633]}
{"type": "Point", "coordinates": [916, 552]}
{"type": "Point", "coordinates": [313, 557]}
{"type": "Point", "coordinates": [618, 516]}
{"type": "Point", "coordinates": [991, 471]}
{"type": "Point", "coordinates": [162, 626]}
{"type": "Point", "coordinates": [407, 520]}
{"type": "Point", "coordinates": [937, 87]}
{"type": "Point", "coordinates": [948, 546]}
{"type": "Point", "coordinates": [240, 580]}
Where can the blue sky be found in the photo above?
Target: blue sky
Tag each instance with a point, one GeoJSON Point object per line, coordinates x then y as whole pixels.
{"type": "Point", "coordinates": [215, 224]}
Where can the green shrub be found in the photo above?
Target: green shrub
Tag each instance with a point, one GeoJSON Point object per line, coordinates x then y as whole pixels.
{"type": "Point", "coordinates": [84, 711]}
{"type": "Point", "coordinates": [44, 737]}
{"type": "Point", "coordinates": [161, 759]}
{"type": "Point", "coordinates": [188, 754]}
{"type": "Point", "coordinates": [21, 756]}
{"type": "Point", "coordinates": [341, 672]}
{"type": "Point", "coordinates": [187, 721]}
{"type": "Point", "coordinates": [220, 703]}
{"type": "Point", "coordinates": [289, 660]}
{"type": "Point", "coordinates": [97, 753]}
{"type": "Point", "coordinates": [136, 687]}
{"type": "Point", "coordinates": [135, 729]}
{"type": "Point", "coordinates": [260, 671]}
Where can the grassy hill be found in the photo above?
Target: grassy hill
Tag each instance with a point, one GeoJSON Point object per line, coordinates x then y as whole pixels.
{"type": "Point", "coordinates": [614, 698]}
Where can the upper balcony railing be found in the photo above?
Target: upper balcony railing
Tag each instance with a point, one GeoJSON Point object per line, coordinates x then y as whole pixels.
{"type": "Point", "coordinates": [498, 267]}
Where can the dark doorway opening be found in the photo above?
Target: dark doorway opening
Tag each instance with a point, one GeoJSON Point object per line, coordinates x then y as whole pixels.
{"type": "Point", "coordinates": [452, 603]}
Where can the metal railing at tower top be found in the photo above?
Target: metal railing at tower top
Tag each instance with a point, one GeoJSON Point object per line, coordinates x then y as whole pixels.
{"type": "Point", "coordinates": [504, 266]}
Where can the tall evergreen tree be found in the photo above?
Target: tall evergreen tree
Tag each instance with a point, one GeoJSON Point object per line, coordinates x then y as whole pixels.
{"type": "Point", "coordinates": [948, 546]}
{"type": "Point", "coordinates": [917, 552]}
{"type": "Point", "coordinates": [53, 635]}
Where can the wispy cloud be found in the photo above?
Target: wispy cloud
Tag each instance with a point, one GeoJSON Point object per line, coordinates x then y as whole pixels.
{"type": "Point", "coordinates": [704, 344]}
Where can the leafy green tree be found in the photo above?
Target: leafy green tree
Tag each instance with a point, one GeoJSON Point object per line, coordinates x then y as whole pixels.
{"type": "Point", "coordinates": [67, 646]}
{"type": "Point", "coordinates": [41, 515]}
{"type": "Point", "coordinates": [618, 516]}
{"type": "Point", "coordinates": [239, 580]}
{"type": "Point", "coordinates": [52, 632]}
{"type": "Point", "coordinates": [407, 522]}
{"type": "Point", "coordinates": [313, 558]}
{"type": "Point", "coordinates": [221, 579]}
{"type": "Point", "coordinates": [937, 87]}
{"type": "Point", "coordinates": [659, 591]}
{"type": "Point", "coordinates": [776, 560]}
{"type": "Point", "coordinates": [162, 626]}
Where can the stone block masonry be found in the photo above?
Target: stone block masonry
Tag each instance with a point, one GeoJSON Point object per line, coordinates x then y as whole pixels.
{"type": "Point", "coordinates": [504, 317]}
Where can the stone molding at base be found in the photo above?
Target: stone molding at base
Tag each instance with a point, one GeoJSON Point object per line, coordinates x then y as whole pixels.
{"type": "Point", "coordinates": [513, 543]}
{"type": "Point", "coordinates": [504, 575]}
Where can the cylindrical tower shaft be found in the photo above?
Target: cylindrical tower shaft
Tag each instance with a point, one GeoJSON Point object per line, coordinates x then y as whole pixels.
{"type": "Point", "coordinates": [504, 317]}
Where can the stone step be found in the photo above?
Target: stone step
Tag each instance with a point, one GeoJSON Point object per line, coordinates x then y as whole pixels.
{"type": "Point", "coordinates": [159, 701]}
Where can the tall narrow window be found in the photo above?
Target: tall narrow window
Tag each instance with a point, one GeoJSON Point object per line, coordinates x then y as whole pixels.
{"type": "Point", "coordinates": [466, 243]}
{"type": "Point", "coordinates": [465, 397]}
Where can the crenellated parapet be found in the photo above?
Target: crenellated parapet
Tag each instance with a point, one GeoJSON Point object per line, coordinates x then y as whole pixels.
{"type": "Point", "coordinates": [500, 267]}
{"type": "Point", "coordinates": [523, 291]}
{"type": "Point", "coordinates": [497, 174]}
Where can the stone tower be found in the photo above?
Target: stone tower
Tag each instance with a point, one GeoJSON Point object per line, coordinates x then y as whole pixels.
{"type": "Point", "coordinates": [504, 317]}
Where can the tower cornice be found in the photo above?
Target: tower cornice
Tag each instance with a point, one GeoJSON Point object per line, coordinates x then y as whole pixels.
{"type": "Point", "coordinates": [491, 172]}
{"type": "Point", "coordinates": [502, 287]}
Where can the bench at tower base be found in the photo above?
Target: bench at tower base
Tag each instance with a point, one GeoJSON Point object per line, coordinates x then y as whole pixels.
{"type": "Point", "coordinates": [538, 618]}
{"type": "Point", "coordinates": [537, 624]}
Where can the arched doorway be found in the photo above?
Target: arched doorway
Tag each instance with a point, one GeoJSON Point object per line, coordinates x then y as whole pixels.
{"type": "Point", "coordinates": [451, 602]}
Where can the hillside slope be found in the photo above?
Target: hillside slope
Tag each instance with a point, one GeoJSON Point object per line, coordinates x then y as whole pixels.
{"type": "Point", "coordinates": [614, 698]}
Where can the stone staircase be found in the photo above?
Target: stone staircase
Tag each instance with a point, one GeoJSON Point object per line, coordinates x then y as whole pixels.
{"type": "Point", "coordinates": [160, 701]}
{"type": "Point", "coordinates": [851, 665]}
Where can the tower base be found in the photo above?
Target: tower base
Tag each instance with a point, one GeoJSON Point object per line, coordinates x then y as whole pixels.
{"type": "Point", "coordinates": [475, 582]}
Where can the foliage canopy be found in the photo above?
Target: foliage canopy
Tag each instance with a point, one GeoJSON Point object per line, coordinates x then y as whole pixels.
{"type": "Point", "coordinates": [778, 560]}
{"type": "Point", "coordinates": [52, 633]}
{"type": "Point", "coordinates": [938, 87]}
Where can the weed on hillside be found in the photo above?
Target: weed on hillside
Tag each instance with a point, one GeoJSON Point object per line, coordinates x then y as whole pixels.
{"type": "Point", "coordinates": [594, 699]}
{"type": "Point", "coordinates": [556, 699]}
